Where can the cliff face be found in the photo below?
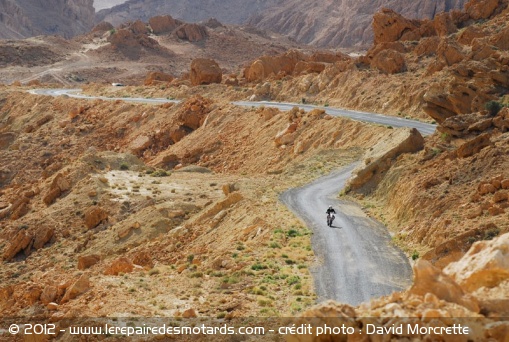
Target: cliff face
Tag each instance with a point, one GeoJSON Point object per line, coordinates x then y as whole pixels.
{"type": "Point", "coordinates": [341, 22]}
{"type": "Point", "coordinates": [24, 18]}
{"type": "Point", "coordinates": [318, 22]}
{"type": "Point", "coordinates": [226, 11]}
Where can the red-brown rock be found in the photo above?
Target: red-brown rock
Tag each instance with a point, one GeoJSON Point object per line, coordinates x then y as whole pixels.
{"type": "Point", "coordinates": [389, 62]}
{"type": "Point", "coordinates": [121, 265]}
{"type": "Point", "coordinates": [95, 215]}
{"type": "Point", "coordinates": [389, 26]}
{"type": "Point", "coordinates": [87, 261]}
{"type": "Point", "coordinates": [192, 32]}
{"type": "Point", "coordinates": [205, 71]}
{"type": "Point", "coordinates": [163, 24]}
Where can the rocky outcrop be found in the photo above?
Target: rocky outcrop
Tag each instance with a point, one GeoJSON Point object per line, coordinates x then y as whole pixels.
{"type": "Point", "coordinates": [389, 26]}
{"type": "Point", "coordinates": [192, 32]}
{"type": "Point", "coordinates": [486, 264]}
{"type": "Point", "coordinates": [87, 261]}
{"type": "Point", "coordinates": [481, 9]}
{"type": "Point", "coordinates": [380, 158]}
{"type": "Point", "coordinates": [59, 185]}
{"type": "Point", "coordinates": [68, 18]}
{"type": "Point", "coordinates": [25, 240]}
{"type": "Point", "coordinates": [205, 71]}
{"type": "Point", "coordinates": [194, 111]}
{"type": "Point", "coordinates": [163, 24]}
{"type": "Point", "coordinates": [94, 216]}
{"type": "Point", "coordinates": [79, 287]}
{"type": "Point", "coordinates": [121, 265]}
{"type": "Point", "coordinates": [389, 62]}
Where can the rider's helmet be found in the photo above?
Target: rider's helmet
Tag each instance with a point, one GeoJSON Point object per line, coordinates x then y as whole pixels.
{"type": "Point", "coordinates": [330, 206]}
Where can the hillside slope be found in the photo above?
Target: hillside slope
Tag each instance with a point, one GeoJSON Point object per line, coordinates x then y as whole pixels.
{"type": "Point", "coordinates": [323, 23]}
{"type": "Point", "coordinates": [24, 18]}
{"type": "Point", "coordinates": [341, 22]}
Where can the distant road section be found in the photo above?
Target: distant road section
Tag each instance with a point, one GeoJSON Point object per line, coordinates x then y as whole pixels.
{"type": "Point", "coordinates": [424, 128]}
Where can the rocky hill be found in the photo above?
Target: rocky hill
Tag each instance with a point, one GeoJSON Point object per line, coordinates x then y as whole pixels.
{"type": "Point", "coordinates": [229, 12]}
{"type": "Point", "coordinates": [22, 18]}
{"type": "Point", "coordinates": [340, 23]}
{"type": "Point", "coordinates": [322, 23]}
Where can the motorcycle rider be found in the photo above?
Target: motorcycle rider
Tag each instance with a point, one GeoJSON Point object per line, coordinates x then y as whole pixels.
{"type": "Point", "coordinates": [330, 217]}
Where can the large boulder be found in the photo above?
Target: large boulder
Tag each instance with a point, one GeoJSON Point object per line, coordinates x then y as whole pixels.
{"type": "Point", "coordinates": [267, 66]}
{"type": "Point", "coordinates": [121, 265]}
{"type": "Point", "coordinates": [205, 71]}
{"type": "Point", "coordinates": [156, 77]}
{"type": "Point", "coordinates": [95, 215]}
{"type": "Point", "coordinates": [389, 26]}
{"type": "Point", "coordinates": [486, 264]}
{"type": "Point", "coordinates": [481, 9]}
{"type": "Point", "coordinates": [163, 24]}
{"type": "Point", "coordinates": [81, 285]}
{"type": "Point", "coordinates": [389, 62]}
{"type": "Point", "coordinates": [474, 145]}
{"type": "Point", "coordinates": [430, 279]}
{"type": "Point", "coordinates": [192, 32]}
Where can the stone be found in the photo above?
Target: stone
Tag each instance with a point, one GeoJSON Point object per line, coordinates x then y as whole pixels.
{"type": "Point", "coordinates": [481, 9]}
{"type": "Point", "coordinates": [59, 185]}
{"type": "Point", "coordinates": [79, 287]}
{"type": "Point", "coordinates": [389, 26]}
{"type": "Point", "coordinates": [189, 313]}
{"type": "Point", "coordinates": [121, 265]}
{"type": "Point", "coordinates": [474, 145]}
{"type": "Point", "coordinates": [95, 215]}
{"type": "Point", "coordinates": [500, 196]}
{"type": "Point", "coordinates": [49, 294]}
{"type": "Point", "coordinates": [163, 24]}
{"type": "Point", "coordinates": [389, 62]}
{"type": "Point", "coordinates": [87, 261]}
{"type": "Point", "coordinates": [19, 243]}
{"type": "Point", "coordinates": [192, 32]}
{"type": "Point", "coordinates": [486, 264]}
{"type": "Point", "coordinates": [156, 77]}
{"type": "Point", "coordinates": [205, 71]}
{"type": "Point", "coordinates": [140, 144]}
{"type": "Point", "coordinates": [429, 279]}
{"type": "Point", "coordinates": [505, 184]}
{"type": "Point", "coordinates": [42, 236]}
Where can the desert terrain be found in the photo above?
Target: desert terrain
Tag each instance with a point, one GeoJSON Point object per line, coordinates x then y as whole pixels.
{"type": "Point", "coordinates": [117, 208]}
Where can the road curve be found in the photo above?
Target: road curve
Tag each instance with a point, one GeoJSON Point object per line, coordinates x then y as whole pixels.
{"type": "Point", "coordinates": [357, 259]}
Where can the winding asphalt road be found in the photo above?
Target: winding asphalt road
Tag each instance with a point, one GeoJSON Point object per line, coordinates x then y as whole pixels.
{"type": "Point", "coordinates": [358, 260]}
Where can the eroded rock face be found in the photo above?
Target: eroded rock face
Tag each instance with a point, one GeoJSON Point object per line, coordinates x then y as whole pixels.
{"type": "Point", "coordinates": [121, 265]}
{"type": "Point", "coordinates": [163, 24]}
{"type": "Point", "coordinates": [430, 279]}
{"type": "Point", "coordinates": [95, 215]}
{"type": "Point", "coordinates": [379, 159]}
{"type": "Point", "coordinates": [192, 32]}
{"type": "Point", "coordinates": [205, 71]}
{"type": "Point", "coordinates": [485, 264]}
{"type": "Point", "coordinates": [481, 9]}
{"type": "Point", "coordinates": [389, 26]}
{"type": "Point", "coordinates": [68, 18]}
{"type": "Point", "coordinates": [389, 62]}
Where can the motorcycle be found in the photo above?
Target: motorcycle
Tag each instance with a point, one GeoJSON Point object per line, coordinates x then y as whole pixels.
{"type": "Point", "coordinates": [330, 218]}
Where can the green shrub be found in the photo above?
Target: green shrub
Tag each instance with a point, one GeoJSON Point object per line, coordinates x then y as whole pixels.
{"type": "Point", "coordinates": [493, 107]}
{"type": "Point", "coordinates": [124, 166]}
{"type": "Point", "coordinates": [415, 255]}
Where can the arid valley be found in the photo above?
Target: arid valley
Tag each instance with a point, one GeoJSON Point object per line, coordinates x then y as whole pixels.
{"type": "Point", "coordinates": [176, 167]}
